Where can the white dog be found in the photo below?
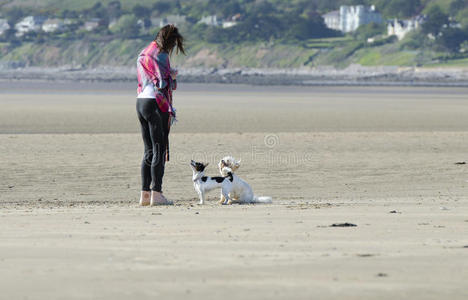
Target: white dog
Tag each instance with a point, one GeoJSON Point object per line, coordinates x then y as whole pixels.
{"type": "Point", "coordinates": [229, 162]}
{"type": "Point", "coordinates": [226, 163]}
{"type": "Point", "coordinates": [241, 192]}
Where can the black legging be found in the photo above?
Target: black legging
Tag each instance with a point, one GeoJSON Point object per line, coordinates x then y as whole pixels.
{"type": "Point", "coordinates": [154, 129]}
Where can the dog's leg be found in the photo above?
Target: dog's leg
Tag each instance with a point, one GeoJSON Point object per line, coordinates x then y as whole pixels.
{"type": "Point", "coordinates": [222, 199]}
{"type": "Point", "coordinates": [201, 195]}
{"type": "Point", "coordinates": [226, 196]}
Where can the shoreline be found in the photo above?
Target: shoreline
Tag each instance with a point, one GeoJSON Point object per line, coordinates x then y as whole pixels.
{"type": "Point", "coordinates": [354, 75]}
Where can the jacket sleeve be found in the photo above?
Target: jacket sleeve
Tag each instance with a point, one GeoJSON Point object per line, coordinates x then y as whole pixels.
{"type": "Point", "coordinates": [164, 70]}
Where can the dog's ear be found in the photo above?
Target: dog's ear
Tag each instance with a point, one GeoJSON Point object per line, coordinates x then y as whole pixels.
{"type": "Point", "coordinates": [206, 164]}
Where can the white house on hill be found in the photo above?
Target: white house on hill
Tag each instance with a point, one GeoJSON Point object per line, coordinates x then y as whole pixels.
{"type": "Point", "coordinates": [211, 21]}
{"type": "Point", "coordinates": [401, 28]}
{"type": "Point", "coordinates": [91, 24]}
{"type": "Point", "coordinates": [176, 19]}
{"type": "Point", "coordinates": [4, 26]}
{"type": "Point", "coordinates": [332, 19]}
{"type": "Point", "coordinates": [53, 25]}
{"type": "Point", "coordinates": [28, 24]}
{"type": "Point", "coordinates": [231, 22]}
{"type": "Point", "coordinates": [170, 19]}
{"type": "Point", "coordinates": [349, 18]}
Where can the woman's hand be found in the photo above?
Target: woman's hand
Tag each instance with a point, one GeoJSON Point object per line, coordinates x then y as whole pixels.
{"type": "Point", "coordinates": [174, 73]}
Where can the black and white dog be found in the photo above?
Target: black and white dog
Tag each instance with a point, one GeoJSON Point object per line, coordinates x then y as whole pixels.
{"type": "Point", "coordinates": [204, 184]}
{"type": "Point", "coordinates": [233, 188]}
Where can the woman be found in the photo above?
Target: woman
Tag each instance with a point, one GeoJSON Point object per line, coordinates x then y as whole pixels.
{"type": "Point", "coordinates": [156, 81]}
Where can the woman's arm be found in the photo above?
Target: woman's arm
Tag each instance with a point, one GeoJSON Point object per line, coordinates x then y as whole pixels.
{"type": "Point", "coordinates": [174, 73]}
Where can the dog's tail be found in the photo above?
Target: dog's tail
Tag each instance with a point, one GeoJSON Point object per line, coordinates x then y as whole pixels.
{"type": "Point", "coordinates": [262, 199]}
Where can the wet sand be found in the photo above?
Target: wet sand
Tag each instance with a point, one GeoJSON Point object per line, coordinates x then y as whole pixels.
{"type": "Point", "coordinates": [70, 176]}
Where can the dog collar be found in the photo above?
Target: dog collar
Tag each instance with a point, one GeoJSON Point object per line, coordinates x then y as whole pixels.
{"type": "Point", "coordinates": [198, 177]}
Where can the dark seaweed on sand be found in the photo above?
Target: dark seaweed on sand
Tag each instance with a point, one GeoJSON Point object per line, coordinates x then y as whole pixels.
{"type": "Point", "coordinates": [343, 225]}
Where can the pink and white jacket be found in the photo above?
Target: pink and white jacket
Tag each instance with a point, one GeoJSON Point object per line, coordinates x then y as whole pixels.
{"type": "Point", "coordinates": [153, 67]}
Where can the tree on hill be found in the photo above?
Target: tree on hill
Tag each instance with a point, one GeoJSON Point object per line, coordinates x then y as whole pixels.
{"type": "Point", "coordinates": [257, 28]}
{"type": "Point", "coordinates": [114, 9]}
{"type": "Point", "coordinates": [230, 9]}
{"type": "Point", "coordinates": [398, 8]}
{"type": "Point", "coordinates": [71, 14]}
{"type": "Point", "coordinates": [126, 26]}
{"type": "Point", "coordinates": [141, 11]}
{"type": "Point", "coordinates": [457, 5]}
{"type": "Point", "coordinates": [319, 5]}
{"type": "Point", "coordinates": [436, 19]}
{"type": "Point", "coordinates": [15, 14]}
{"type": "Point", "coordinates": [163, 7]}
{"type": "Point", "coordinates": [369, 30]}
{"type": "Point", "coordinates": [97, 11]}
{"type": "Point", "coordinates": [307, 28]}
{"type": "Point", "coordinates": [452, 38]}
{"type": "Point", "coordinates": [462, 17]}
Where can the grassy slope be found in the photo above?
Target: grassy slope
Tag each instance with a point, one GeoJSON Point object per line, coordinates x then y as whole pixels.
{"type": "Point", "coordinates": [260, 55]}
{"type": "Point", "coordinates": [124, 52]}
{"type": "Point", "coordinates": [251, 55]}
{"type": "Point", "coordinates": [375, 57]}
{"type": "Point", "coordinates": [444, 4]}
{"type": "Point", "coordinates": [451, 63]}
{"type": "Point", "coordinates": [88, 53]}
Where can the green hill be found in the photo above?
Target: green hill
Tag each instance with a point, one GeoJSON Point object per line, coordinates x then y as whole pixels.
{"type": "Point", "coordinates": [270, 34]}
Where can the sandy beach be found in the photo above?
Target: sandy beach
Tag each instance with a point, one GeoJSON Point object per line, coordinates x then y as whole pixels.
{"type": "Point", "coordinates": [387, 159]}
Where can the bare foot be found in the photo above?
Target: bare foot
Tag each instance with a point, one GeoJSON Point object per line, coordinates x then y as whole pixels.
{"type": "Point", "coordinates": [157, 198]}
{"type": "Point", "coordinates": [145, 198]}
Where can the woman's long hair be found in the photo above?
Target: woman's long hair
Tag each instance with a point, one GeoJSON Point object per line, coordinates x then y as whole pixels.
{"type": "Point", "coordinates": [168, 38]}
